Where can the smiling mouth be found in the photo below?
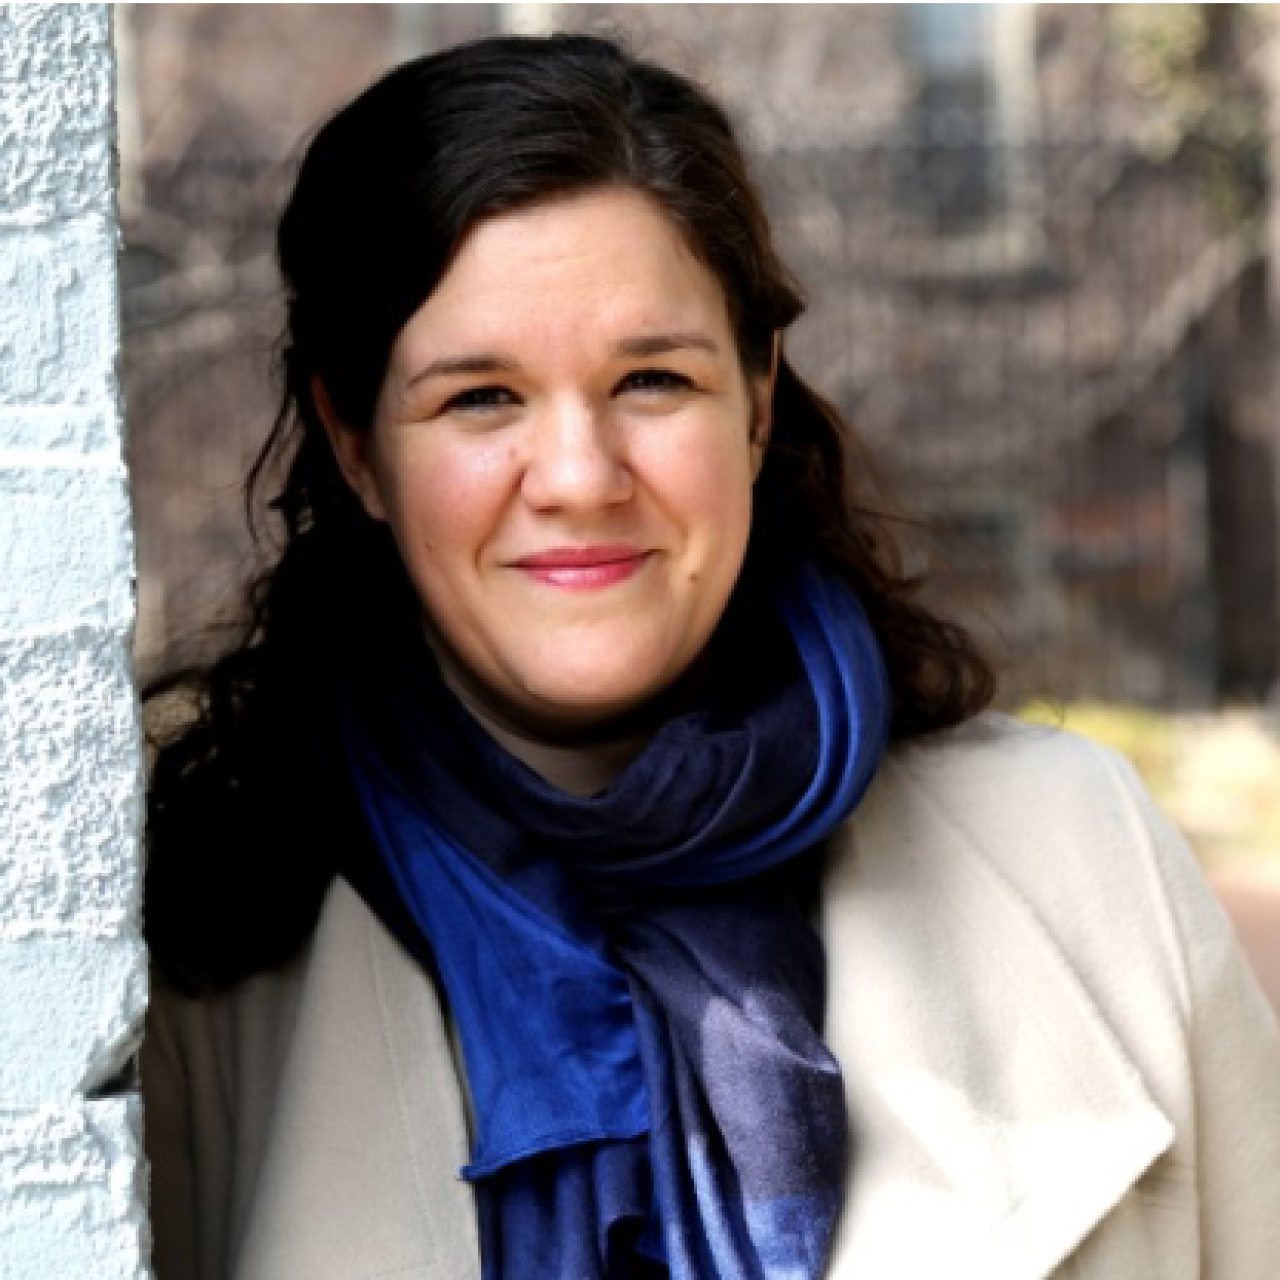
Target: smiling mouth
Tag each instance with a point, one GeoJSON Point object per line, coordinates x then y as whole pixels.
{"type": "Point", "coordinates": [583, 568]}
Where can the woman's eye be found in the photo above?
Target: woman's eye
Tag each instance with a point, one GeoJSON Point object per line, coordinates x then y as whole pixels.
{"type": "Point", "coordinates": [655, 380]}
{"type": "Point", "coordinates": [480, 398]}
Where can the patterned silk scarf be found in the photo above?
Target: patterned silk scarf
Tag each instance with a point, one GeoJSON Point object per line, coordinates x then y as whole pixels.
{"type": "Point", "coordinates": [636, 982]}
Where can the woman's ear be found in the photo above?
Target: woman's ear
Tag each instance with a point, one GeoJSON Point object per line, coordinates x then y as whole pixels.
{"type": "Point", "coordinates": [762, 388]}
{"type": "Point", "coordinates": [351, 449]}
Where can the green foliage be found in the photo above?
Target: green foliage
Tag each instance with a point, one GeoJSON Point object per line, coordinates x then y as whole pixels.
{"type": "Point", "coordinates": [1145, 737]}
{"type": "Point", "coordinates": [1192, 60]}
{"type": "Point", "coordinates": [1166, 48]}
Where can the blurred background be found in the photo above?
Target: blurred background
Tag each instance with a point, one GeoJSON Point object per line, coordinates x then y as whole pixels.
{"type": "Point", "coordinates": [1037, 244]}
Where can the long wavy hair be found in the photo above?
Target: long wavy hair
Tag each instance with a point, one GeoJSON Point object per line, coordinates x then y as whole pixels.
{"type": "Point", "coordinates": [247, 813]}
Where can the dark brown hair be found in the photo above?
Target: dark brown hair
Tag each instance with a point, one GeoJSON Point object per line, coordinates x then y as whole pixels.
{"type": "Point", "coordinates": [246, 816]}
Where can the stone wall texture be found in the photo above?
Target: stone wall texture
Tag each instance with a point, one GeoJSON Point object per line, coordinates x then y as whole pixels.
{"type": "Point", "coordinates": [72, 971]}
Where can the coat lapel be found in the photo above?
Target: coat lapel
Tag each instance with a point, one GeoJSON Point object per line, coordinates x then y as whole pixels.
{"type": "Point", "coordinates": [996, 1118]}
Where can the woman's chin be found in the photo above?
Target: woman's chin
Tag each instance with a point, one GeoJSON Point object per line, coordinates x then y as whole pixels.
{"type": "Point", "coordinates": [611, 678]}
{"type": "Point", "coordinates": [586, 706]}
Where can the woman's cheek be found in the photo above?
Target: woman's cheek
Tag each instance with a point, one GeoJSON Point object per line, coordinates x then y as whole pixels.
{"type": "Point", "coordinates": [450, 488]}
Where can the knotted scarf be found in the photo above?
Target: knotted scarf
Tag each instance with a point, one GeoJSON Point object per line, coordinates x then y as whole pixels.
{"type": "Point", "coordinates": [635, 978]}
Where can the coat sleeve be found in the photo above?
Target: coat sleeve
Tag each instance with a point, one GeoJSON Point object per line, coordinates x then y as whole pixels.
{"type": "Point", "coordinates": [1233, 1042]}
{"type": "Point", "coordinates": [169, 1148]}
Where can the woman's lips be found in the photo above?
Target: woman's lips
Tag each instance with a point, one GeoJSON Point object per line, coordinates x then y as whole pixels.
{"type": "Point", "coordinates": [583, 568]}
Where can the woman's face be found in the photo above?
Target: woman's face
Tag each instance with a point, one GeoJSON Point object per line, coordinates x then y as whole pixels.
{"type": "Point", "coordinates": [564, 448]}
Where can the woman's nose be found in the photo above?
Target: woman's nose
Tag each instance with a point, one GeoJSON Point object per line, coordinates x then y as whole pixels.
{"type": "Point", "coordinates": [577, 459]}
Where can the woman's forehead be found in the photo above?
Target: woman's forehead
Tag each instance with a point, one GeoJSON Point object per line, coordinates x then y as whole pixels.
{"type": "Point", "coordinates": [612, 260]}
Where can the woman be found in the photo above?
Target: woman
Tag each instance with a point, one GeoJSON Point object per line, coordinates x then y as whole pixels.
{"type": "Point", "coordinates": [546, 826]}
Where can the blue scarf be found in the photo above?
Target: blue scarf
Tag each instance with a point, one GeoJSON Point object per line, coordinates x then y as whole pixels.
{"type": "Point", "coordinates": [636, 981]}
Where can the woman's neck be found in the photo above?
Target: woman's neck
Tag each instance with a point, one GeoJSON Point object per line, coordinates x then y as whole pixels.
{"type": "Point", "coordinates": [578, 769]}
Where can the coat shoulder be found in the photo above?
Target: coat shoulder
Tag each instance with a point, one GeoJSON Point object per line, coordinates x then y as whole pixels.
{"type": "Point", "coordinates": [1051, 812]}
{"type": "Point", "coordinates": [993, 757]}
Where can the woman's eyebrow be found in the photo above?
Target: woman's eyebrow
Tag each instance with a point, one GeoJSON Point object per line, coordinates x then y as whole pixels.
{"type": "Point", "coordinates": [450, 365]}
{"type": "Point", "coordinates": [648, 345]}
{"type": "Point", "coordinates": [660, 343]}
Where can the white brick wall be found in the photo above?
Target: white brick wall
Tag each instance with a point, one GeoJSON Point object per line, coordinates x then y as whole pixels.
{"type": "Point", "coordinates": [72, 976]}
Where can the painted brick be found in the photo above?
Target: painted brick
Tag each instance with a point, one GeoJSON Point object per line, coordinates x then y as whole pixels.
{"type": "Point", "coordinates": [37, 434]}
{"type": "Point", "coordinates": [69, 808]}
{"type": "Point", "coordinates": [55, 102]}
{"type": "Point", "coordinates": [73, 984]}
{"type": "Point", "coordinates": [70, 1015]}
{"type": "Point", "coordinates": [58, 316]}
{"type": "Point", "coordinates": [71, 1182]}
{"type": "Point", "coordinates": [66, 549]}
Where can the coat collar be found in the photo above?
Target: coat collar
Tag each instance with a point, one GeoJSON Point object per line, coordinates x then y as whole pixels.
{"type": "Point", "coordinates": [988, 1097]}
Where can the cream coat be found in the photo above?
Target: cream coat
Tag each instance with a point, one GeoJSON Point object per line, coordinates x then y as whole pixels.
{"type": "Point", "coordinates": [1057, 1062]}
